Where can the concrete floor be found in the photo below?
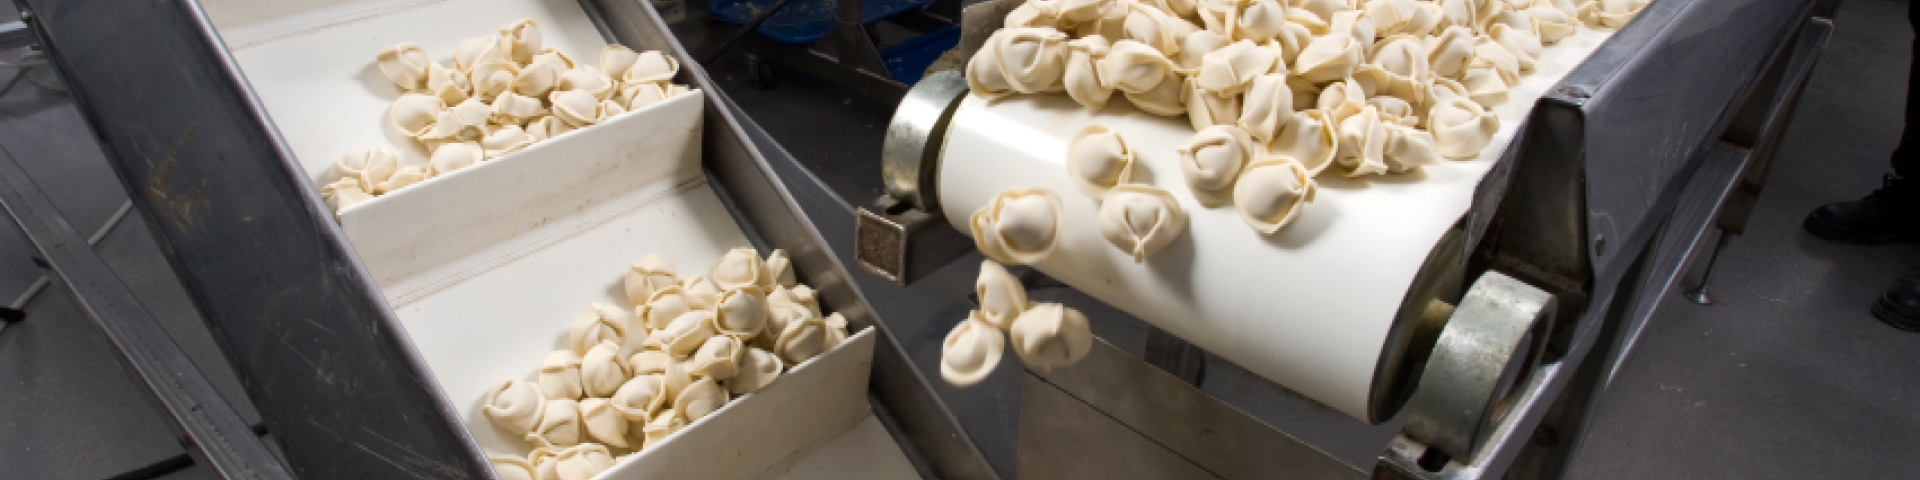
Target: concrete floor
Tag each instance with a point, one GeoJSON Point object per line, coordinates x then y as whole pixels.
{"type": "Point", "coordinates": [1788, 377]}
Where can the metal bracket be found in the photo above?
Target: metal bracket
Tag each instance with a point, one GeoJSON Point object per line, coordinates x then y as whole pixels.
{"type": "Point", "coordinates": [1491, 343]}
{"type": "Point", "coordinates": [903, 244]}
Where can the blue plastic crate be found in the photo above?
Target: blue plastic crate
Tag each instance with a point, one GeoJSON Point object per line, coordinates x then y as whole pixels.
{"type": "Point", "coordinates": [803, 22]}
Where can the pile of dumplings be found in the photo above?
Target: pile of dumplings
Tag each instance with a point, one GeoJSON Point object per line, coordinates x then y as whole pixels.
{"type": "Point", "coordinates": [1277, 91]}
{"type": "Point", "coordinates": [502, 93]}
{"type": "Point", "coordinates": [630, 378]}
{"type": "Point", "coordinates": [1045, 335]}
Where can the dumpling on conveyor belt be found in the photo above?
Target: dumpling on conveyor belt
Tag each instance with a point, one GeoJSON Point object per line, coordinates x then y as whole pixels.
{"type": "Point", "coordinates": [1267, 106]}
{"type": "Point", "coordinates": [1213, 159]}
{"type": "Point", "coordinates": [1270, 192]}
{"type": "Point", "coordinates": [1140, 219]}
{"type": "Point", "coordinates": [1020, 226]}
{"type": "Point", "coordinates": [1098, 159]}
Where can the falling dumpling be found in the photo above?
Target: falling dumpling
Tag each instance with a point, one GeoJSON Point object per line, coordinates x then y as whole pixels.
{"type": "Point", "coordinates": [1002, 298]}
{"type": "Point", "coordinates": [741, 311]}
{"type": "Point", "coordinates": [560, 375]}
{"type": "Point", "coordinates": [700, 293]}
{"type": "Point", "coordinates": [516, 406]}
{"type": "Point", "coordinates": [1329, 58]}
{"type": "Point", "coordinates": [1363, 140]}
{"type": "Point", "coordinates": [1032, 59]}
{"type": "Point", "coordinates": [1461, 128]}
{"type": "Point", "coordinates": [971, 351]}
{"type": "Point", "coordinates": [343, 193]}
{"type": "Point", "coordinates": [512, 467]}
{"type": "Point", "coordinates": [454, 156]}
{"type": "Point", "coordinates": [582, 462]}
{"type": "Point", "coordinates": [1049, 335]}
{"type": "Point", "coordinates": [779, 270]}
{"type": "Point", "coordinates": [559, 425]}
{"type": "Point", "coordinates": [717, 358]}
{"type": "Point", "coordinates": [801, 340]}
{"type": "Point", "coordinates": [1098, 159]}
{"type": "Point", "coordinates": [600, 322]}
{"type": "Point", "coordinates": [1140, 219]}
{"type": "Point", "coordinates": [403, 177]}
{"type": "Point", "coordinates": [603, 422]}
{"type": "Point", "coordinates": [1228, 70]}
{"type": "Point", "coordinates": [1019, 226]}
{"type": "Point", "coordinates": [651, 66]}
{"type": "Point", "coordinates": [661, 427]}
{"type": "Point", "coordinates": [757, 368]}
{"type": "Point", "coordinates": [414, 114]}
{"type": "Point", "coordinates": [1082, 76]}
{"type": "Point", "coordinates": [522, 40]}
{"type": "Point", "coordinates": [1308, 138]}
{"type": "Point", "coordinates": [601, 370]}
{"type": "Point", "coordinates": [652, 273]}
{"type": "Point", "coordinates": [700, 398]}
{"type": "Point", "coordinates": [369, 166]}
{"type": "Point", "coordinates": [1134, 67]}
{"type": "Point", "coordinates": [405, 64]}
{"type": "Point", "coordinates": [1166, 99]}
{"type": "Point", "coordinates": [686, 332]}
{"type": "Point", "coordinates": [738, 268]}
{"type": "Point", "coordinates": [1408, 148]}
{"type": "Point", "coordinates": [1212, 160]}
{"type": "Point", "coordinates": [1270, 192]}
{"type": "Point", "coordinates": [639, 398]}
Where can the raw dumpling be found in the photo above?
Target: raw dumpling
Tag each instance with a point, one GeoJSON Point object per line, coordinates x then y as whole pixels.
{"type": "Point", "coordinates": [582, 462]}
{"type": "Point", "coordinates": [699, 399]}
{"type": "Point", "coordinates": [1270, 192]}
{"type": "Point", "coordinates": [651, 66]}
{"type": "Point", "coordinates": [369, 166]}
{"type": "Point", "coordinates": [579, 108]}
{"type": "Point", "coordinates": [1363, 143]}
{"type": "Point", "coordinates": [560, 375]}
{"type": "Point", "coordinates": [1002, 297]}
{"type": "Point", "coordinates": [639, 95]}
{"type": "Point", "coordinates": [805, 296]}
{"type": "Point", "coordinates": [1195, 47]}
{"type": "Point", "coordinates": [1403, 58]}
{"type": "Point", "coordinates": [343, 193]}
{"type": "Point", "coordinates": [1098, 159]}
{"type": "Point", "coordinates": [661, 427]}
{"type": "Point", "coordinates": [1409, 148]}
{"type": "Point", "coordinates": [1049, 335]}
{"type": "Point", "coordinates": [1206, 109]}
{"type": "Point", "coordinates": [1341, 100]}
{"type": "Point", "coordinates": [971, 351]}
{"type": "Point", "coordinates": [600, 322]}
{"type": "Point", "coordinates": [405, 64]}
{"type": "Point", "coordinates": [546, 127]}
{"type": "Point", "coordinates": [601, 370]}
{"type": "Point", "coordinates": [652, 273]}
{"type": "Point", "coordinates": [717, 358]}
{"type": "Point", "coordinates": [1157, 29]}
{"type": "Point", "coordinates": [1180, 8]}
{"type": "Point", "coordinates": [1213, 159]}
{"type": "Point", "coordinates": [1031, 59]}
{"type": "Point", "coordinates": [639, 398]}
{"type": "Point", "coordinates": [1108, 17]}
{"type": "Point", "coordinates": [466, 121]}
{"type": "Point", "coordinates": [516, 406]}
{"type": "Point", "coordinates": [801, 340]}
{"type": "Point", "coordinates": [1461, 128]}
{"type": "Point", "coordinates": [521, 40]}
{"type": "Point", "coordinates": [836, 329]}
{"type": "Point", "coordinates": [1135, 68]}
{"type": "Point", "coordinates": [414, 114]}
{"type": "Point", "coordinates": [779, 270]}
{"type": "Point", "coordinates": [1020, 226]}
{"type": "Point", "coordinates": [537, 80]}
{"type": "Point", "coordinates": [1401, 17]}
{"type": "Point", "coordinates": [472, 51]}
{"type": "Point", "coordinates": [1227, 71]}
{"type": "Point", "coordinates": [603, 422]}
{"type": "Point", "coordinates": [1082, 77]}
{"type": "Point", "coordinates": [649, 361]}
{"type": "Point", "coordinates": [491, 77]}
{"type": "Point", "coordinates": [1449, 53]}
{"type": "Point", "coordinates": [1141, 219]}
{"type": "Point", "coordinates": [781, 316]}
{"type": "Point", "coordinates": [1394, 110]}
{"type": "Point", "coordinates": [741, 311]}
{"type": "Point", "coordinates": [700, 293]}
{"type": "Point", "coordinates": [504, 139]}
{"type": "Point", "coordinates": [617, 59]}
{"type": "Point", "coordinates": [1554, 24]}
{"type": "Point", "coordinates": [559, 425]}
{"type": "Point", "coordinates": [1524, 45]}
{"type": "Point", "coordinates": [454, 156]}
{"type": "Point", "coordinates": [1611, 13]}
{"type": "Point", "coordinates": [512, 467]}
{"type": "Point", "coordinates": [660, 309]}
{"type": "Point", "coordinates": [1166, 99]}
{"type": "Point", "coordinates": [1308, 138]}
{"type": "Point", "coordinates": [1267, 106]}
{"type": "Point", "coordinates": [757, 369]}
{"type": "Point", "coordinates": [686, 332]}
{"type": "Point", "coordinates": [515, 109]}
{"type": "Point", "coordinates": [739, 267]}
{"type": "Point", "coordinates": [1329, 58]}
{"type": "Point", "coordinates": [1493, 72]}
{"type": "Point", "coordinates": [1260, 20]}
{"type": "Point", "coordinates": [984, 76]}
{"type": "Point", "coordinates": [404, 177]}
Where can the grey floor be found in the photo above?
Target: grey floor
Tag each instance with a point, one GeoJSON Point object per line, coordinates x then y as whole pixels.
{"type": "Point", "coordinates": [1788, 377]}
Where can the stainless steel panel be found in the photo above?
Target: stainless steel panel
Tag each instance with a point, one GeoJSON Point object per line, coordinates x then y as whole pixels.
{"type": "Point", "coordinates": [1063, 438]}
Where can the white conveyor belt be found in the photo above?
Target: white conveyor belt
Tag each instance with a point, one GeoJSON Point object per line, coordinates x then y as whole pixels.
{"type": "Point", "coordinates": [1309, 307]}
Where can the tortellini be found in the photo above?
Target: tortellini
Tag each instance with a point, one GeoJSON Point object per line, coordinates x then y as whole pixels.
{"type": "Point", "coordinates": [516, 406]}
{"type": "Point", "coordinates": [700, 398]}
{"type": "Point", "coordinates": [740, 267]}
{"type": "Point", "coordinates": [1019, 226]}
{"type": "Point", "coordinates": [640, 397]}
{"type": "Point", "coordinates": [560, 375]}
{"type": "Point", "coordinates": [601, 370]}
{"type": "Point", "coordinates": [1098, 159]}
{"type": "Point", "coordinates": [756, 369]}
{"type": "Point", "coordinates": [599, 323]}
{"type": "Point", "coordinates": [652, 273]}
{"type": "Point", "coordinates": [1269, 193]}
{"type": "Point", "coordinates": [1140, 220]}
{"type": "Point", "coordinates": [1050, 335]}
{"type": "Point", "coordinates": [1462, 128]}
{"type": "Point", "coordinates": [971, 351]}
{"type": "Point", "coordinates": [1213, 159]}
{"type": "Point", "coordinates": [1001, 296]}
{"type": "Point", "coordinates": [602, 422]}
{"type": "Point", "coordinates": [501, 94]}
{"type": "Point", "coordinates": [559, 426]}
{"type": "Point", "coordinates": [582, 462]}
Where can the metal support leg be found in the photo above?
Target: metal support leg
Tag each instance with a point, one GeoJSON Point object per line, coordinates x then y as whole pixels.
{"type": "Point", "coordinates": [1700, 294]}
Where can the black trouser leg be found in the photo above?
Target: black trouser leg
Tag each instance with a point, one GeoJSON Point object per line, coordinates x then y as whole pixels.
{"type": "Point", "coordinates": [1906, 159]}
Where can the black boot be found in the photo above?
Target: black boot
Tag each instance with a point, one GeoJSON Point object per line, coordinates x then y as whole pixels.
{"type": "Point", "coordinates": [1900, 306]}
{"type": "Point", "coordinates": [1886, 215]}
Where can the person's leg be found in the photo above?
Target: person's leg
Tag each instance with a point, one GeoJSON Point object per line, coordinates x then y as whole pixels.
{"type": "Point", "coordinates": [1892, 213]}
{"type": "Point", "coordinates": [1900, 305]}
